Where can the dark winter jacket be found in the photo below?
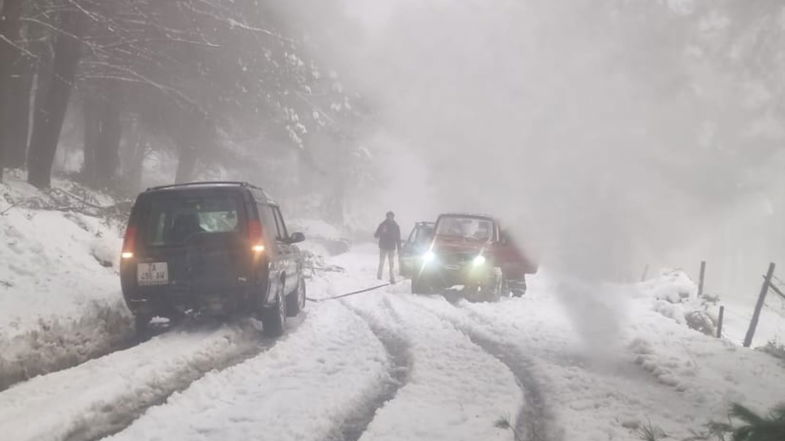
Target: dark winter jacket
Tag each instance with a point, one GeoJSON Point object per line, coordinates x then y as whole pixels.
{"type": "Point", "coordinates": [389, 235]}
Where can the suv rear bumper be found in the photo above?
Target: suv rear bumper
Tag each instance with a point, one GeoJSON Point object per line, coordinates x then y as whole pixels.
{"type": "Point", "coordinates": [168, 302]}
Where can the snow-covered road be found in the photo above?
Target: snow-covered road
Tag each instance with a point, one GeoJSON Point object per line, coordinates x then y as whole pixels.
{"type": "Point", "coordinates": [388, 365]}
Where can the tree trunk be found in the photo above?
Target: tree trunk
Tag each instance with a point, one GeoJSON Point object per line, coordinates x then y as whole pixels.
{"type": "Point", "coordinates": [186, 164]}
{"type": "Point", "coordinates": [10, 26]}
{"type": "Point", "coordinates": [50, 114]}
{"type": "Point", "coordinates": [135, 163]}
{"type": "Point", "coordinates": [103, 129]}
{"type": "Point", "coordinates": [17, 127]}
{"type": "Point", "coordinates": [92, 134]}
{"type": "Point", "coordinates": [108, 156]}
{"type": "Point", "coordinates": [132, 154]}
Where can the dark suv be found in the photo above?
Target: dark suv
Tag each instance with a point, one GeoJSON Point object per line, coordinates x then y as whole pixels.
{"type": "Point", "coordinates": [215, 248]}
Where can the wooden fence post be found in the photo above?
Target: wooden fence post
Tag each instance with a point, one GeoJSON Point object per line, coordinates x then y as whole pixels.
{"type": "Point", "coordinates": [720, 320]}
{"type": "Point", "coordinates": [758, 306]}
{"type": "Point", "coordinates": [645, 272]}
{"type": "Point", "coordinates": [702, 276]}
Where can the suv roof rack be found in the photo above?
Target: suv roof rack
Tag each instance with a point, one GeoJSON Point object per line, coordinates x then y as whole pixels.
{"type": "Point", "coordinates": [189, 184]}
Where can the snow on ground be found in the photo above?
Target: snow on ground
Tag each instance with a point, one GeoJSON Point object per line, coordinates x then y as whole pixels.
{"type": "Point", "coordinates": [599, 380]}
{"type": "Point", "coordinates": [59, 292]}
{"type": "Point", "coordinates": [456, 391]}
{"type": "Point", "coordinates": [307, 387]}
{"type": "Point", "coordinates": [104, 394]}
{"type": "Point", "coordinates": [655, 371]}
{"type": "Point", "coordinates": [565, 362]}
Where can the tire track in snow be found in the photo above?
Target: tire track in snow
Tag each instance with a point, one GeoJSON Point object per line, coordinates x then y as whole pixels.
{"type": "Point", "coordinates": [103, 396]}
{"type": "Point", "coordinates": [456, 391]}
{"type": "Point", "coordinates": [120, 422]}
{"type": "Point", "coordinates": [303, 388]}
{"type": "Point", "coordinates": [531, 422]}
{"type": "Point", "coordinates": [397, 349]}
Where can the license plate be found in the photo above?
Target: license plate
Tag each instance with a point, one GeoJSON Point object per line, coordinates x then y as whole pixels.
{"type": "Point", "coordinates": [152, 273]}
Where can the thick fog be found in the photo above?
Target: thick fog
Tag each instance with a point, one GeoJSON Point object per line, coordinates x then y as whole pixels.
{"type": "Point", "coordinates": [608, 135]}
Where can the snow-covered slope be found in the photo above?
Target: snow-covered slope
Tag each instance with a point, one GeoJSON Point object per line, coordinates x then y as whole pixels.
{"type": "Point", "coordinates": [59, 290]}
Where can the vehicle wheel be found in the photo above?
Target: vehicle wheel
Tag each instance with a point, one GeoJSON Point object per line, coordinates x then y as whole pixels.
{"type": "Point", "coordinates": [492, 289]}
{"type": "Point", "coordinates": [274, 319]}
{"type": "Point", "coordinates": [295, 302]}
{"type": "Point", "coordinates": [420, 285]}
{"type": "Point", "coordinates": [518, 287]}
{"type": "Point", "coordinates": [142, 327]}
{"type": "Point", "coordinates": [506, 290]}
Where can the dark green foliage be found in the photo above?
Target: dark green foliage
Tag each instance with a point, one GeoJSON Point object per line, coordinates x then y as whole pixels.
{"type": "Point", "coordinates": [746, 425]}
{"type": "Point", "coordinates": [650, 432]}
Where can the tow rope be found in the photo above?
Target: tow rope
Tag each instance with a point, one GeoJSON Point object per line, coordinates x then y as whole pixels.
{"type": "Point", "coordinates": [353, 293]}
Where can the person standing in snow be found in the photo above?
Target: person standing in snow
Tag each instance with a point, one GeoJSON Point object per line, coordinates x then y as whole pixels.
{"type": "Point", "coordinates": [389, 235]}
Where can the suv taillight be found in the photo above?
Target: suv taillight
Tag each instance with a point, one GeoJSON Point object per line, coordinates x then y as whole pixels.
{"type": "Point", "coordinates": [255, 234]}
{"type": "Point", "coordinates": [129, 243]}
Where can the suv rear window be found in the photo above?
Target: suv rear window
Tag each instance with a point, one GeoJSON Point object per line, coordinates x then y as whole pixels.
{"type": "Point", "coordinates": [174, 219]}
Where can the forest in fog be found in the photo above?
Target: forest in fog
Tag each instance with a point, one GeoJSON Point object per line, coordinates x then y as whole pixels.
{"type": "Point", "coordinates": [655, 125]}
{"type": "Point", "coordinates": [119, 94]}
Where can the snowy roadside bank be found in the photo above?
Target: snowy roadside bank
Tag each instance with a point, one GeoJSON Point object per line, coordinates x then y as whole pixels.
{"type": "Point", "coordinates": [59, 292]}
{"type": "Point", "coordinates": [105, 394]}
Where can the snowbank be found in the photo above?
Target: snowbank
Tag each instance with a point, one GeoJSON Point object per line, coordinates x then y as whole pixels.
{"type": "Point", "coordinates": [105, 394]}
{"type": "Point", "coordinates": [321, 238]}
{"type": "Point", "coordinates": [675, 296]}
{"type": "Point", "coordinates": [59, 289]}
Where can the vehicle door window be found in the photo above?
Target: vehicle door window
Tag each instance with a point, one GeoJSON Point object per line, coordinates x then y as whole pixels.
{"type": "Point", "coordinates": [268, 220]}
{"type": "Point", "coordinates": [282, 233]}
{"type": "Point", "coordinates": [412, 236]}
{"type": "Point", "coordinates": [424, 234]}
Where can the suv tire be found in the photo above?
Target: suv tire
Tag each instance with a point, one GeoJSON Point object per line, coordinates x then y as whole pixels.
{"type": "Point", "coordinates": [274, 319]}
{"type": "Point", "coordinates": [142, 327]}
{"type": "Point", "coordinates": [295, 302]}
{"type": "Point", "coordinates": [518, 287]}
{"type": "Point", "coordinates": [420, 285]}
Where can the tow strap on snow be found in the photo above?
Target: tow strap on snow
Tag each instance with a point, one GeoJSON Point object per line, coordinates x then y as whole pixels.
{"type": "Point", "coordinates": [353, 293]}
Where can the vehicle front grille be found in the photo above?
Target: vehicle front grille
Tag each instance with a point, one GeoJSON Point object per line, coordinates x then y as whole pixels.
{"type": "Point", "coordinates": [456, 258]}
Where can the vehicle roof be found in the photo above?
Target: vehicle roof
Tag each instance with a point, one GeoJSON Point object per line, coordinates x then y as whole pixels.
{"type": "Point", "coordinates": [258, 192]}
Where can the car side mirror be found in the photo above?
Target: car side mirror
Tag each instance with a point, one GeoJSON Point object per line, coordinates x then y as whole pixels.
{"type": "Point", "coordinates": [296, 237]}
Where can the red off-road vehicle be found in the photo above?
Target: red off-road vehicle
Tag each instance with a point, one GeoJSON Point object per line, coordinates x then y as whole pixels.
{"type": "Point", "coordinates": [473, 251]}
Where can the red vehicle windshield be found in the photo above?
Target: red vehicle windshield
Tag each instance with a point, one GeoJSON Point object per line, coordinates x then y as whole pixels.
{"type": "Point", "coordinates": [466, 228]}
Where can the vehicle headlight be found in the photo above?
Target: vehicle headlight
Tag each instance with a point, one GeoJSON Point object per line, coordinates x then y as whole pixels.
{"type": "Point", "coordinates": [428, 257]}
{"type": "Point", "coordinates": [479, 260]}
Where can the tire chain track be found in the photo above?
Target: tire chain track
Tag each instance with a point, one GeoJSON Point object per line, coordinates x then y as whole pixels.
{"type": "Point", "coordinates": [397, 349]}
{"type": "Point", "coordinates": [531, 423]}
